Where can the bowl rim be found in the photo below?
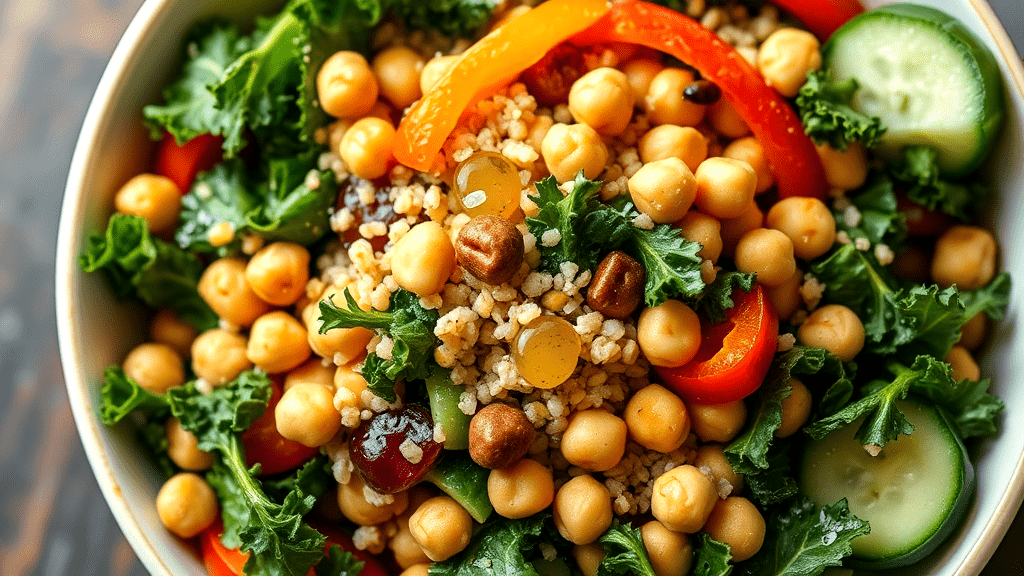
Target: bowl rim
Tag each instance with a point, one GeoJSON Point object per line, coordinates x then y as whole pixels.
{"type": "Point", "coordinates": [66, 263]}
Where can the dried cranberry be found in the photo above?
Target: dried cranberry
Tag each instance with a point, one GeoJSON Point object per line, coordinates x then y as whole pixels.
{"type": "Point", "coordinates": [395, 449]}
{"type": "Point", "coordinates": [380, 210]}
{"type": "Point", "coordinates": [551, 78]}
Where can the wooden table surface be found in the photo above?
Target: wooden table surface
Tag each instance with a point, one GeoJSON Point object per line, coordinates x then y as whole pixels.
{"type": "Point", "coordinates": [53, 519]}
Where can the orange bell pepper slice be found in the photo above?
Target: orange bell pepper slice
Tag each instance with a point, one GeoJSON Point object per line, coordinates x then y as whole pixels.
{"type": "Point", "coordinates": [494, 60]}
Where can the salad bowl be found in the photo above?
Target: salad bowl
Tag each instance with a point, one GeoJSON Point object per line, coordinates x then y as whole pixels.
{"type": "Point", "coordinates": [96, 330]}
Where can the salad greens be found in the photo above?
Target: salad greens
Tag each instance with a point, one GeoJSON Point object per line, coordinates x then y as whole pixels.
{"type": "Point", "coordinates": [498, 549]}
{"type": "Point", "coordinates": [624, 552]}
{"type": "Point", "coordinates": [919, 172]}
{"type": "Point", "coordinates": [826, 114]}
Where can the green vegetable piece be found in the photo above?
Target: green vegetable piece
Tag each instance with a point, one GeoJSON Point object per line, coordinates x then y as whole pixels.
{"type": "Point", "coordinates": [825, 111]}
{"type": "Point", "coordinates": [497, 549]}
{"type": "Point", "coordinates": [121, 395]}
{"type": "Point", "coordinates": [880, 220]}
{"type": "Point", "coordinates": [991, 299]}
{"type": "Point", "coordinates": [465, 481]}
{"type": "Point", "coordinates": [717, 296]}
{"type": "Point", "coordinates": [444, 409]}
{"type": "Point", "coordinates": [919, 171]}
{"type": "Point", "coordinates": [711, 557]}
{"type": "Point", "coordinates": [624, 552]}
{"type": "Point", "coordinates": [338, 562]}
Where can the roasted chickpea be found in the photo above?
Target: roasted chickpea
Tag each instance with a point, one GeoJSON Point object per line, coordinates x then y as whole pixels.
{"type": "Point", "coordinates": [786, 297]}
{"type": "Point", "coordinates": [407, 552]}
{"type": "Point", "coordinates": [353, 504]}
{"type": "Point", "coordinates": [683, 499]}
{"type": "Point", "coordinates": [964, 256]}
{"type": "Point", "coordinates": [663, 189]}
{"type": "Point", "coordinates": [594, 440]}
{"type": "Point", "coordinates": [342, 345]}
{"type": "Point", "coordinates": [705, 230]}
{"type": "Point", "coordinates": [844, 169]}
{"type": "Point", "coordinates": [725, 187]}
{"type": "Point", "coordinates": [973, 334]}
{"type": "Point", "coordinates": [223, 286]}
{"type": "Point", "coordinates": [749, 150]}
{"type": "Point", "coordinates": [434, 70]}
{"type": "Point", "coordinates": [186, 504]}
{"type": "Point", "coordinates": [367, 147]}
{"type": "Point", "coordinates": [306, 414]}
{"type": "Point", "coordinates": [603, 100]}
{"type": "Point", "coordinates": [768, 253]}
{"type": "Point", "coordinates": [670, 552]}
{"type": "Point", "coordinates": [167, 328]}
{"type": "Point", "coordinates": [711, 459]}
{"type": "Point", "coordinates": [521, 489]}
{"type": "Point", "coordinates": [183, 448]}
{"type": "Point", "coordinates": [786, 57]}
{"type": "Point", "coordinates": [669, 334]}
{"type": "Point", "coordinates": [278, 273]}
{"type": "Point", "coordinates": [963, 364]}
{"type": "Point", "coordinates": [346, 86]}
{"type": "Point", "coordinates": [807, 222]}
{"type": "Point", "coordinates": [311, 371]}
{"type": "Point", "coordinates": [582, 510]}
{"type": "Point", "coordinates": [835, 328]}
{"type": "Point", "coordinates": [717, 422]}
{"type": "Point", "coordinates": [346, 378]}
{"type": "Point", "coordinates": [588, 557]}
{"type": "Point", "coordinates": [219, 356]}
{"type": "Point", "coordinates": [442, 527]}
{"type": "Point", "coordinates": [398, 71]}
{"type": "Point", "coordinates": [277, 342]}
{"type": "Point", "coordinates": [155, 367]}
{"type": "Point", "coordinates": [795, 409]}
{"type": "Point", "coordinates": [423, 259]}
{"type": "Point", "coordinates": [417, 570]}
{"type": "Point", "coordinates": [657, 419]}
{"type": "Point", "coordinates": [665, 103]}
{"type": "Point", "coordinates": [732, 229]}
{"type": "Point", "coordinates": [154, 198]}
{"type": "Point", "coordinates": [640, 72]}
{"type": "Point", "coordinates": [567, 149]}
{"type": "Point", "coordinates": [726, 121]}
{"type": "Point", "coordinates": [737, 522]}
{"type": "Point", "coordinates": [669, 141]}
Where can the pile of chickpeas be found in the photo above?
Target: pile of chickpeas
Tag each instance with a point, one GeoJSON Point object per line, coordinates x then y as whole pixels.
{"type": "Point", "coordinates": [701, 172]}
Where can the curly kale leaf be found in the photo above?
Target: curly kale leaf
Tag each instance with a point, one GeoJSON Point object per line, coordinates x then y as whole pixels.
{"type": "Point", "coordinates": [827, 116]}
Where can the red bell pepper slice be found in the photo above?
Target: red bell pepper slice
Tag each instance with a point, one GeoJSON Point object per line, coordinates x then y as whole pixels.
{"type": "Point", "coordinates": [790, 153]}
{"type": "Point", "coordinates": [821, 17]}
{"type": "Point", "coordinates": [733, 357]}
{"type": "Point", "coordinates": [182, 162]}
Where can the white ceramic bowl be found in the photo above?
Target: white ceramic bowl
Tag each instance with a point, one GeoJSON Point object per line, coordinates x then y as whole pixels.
{"type": "Point", "coordinates": [95, 330]}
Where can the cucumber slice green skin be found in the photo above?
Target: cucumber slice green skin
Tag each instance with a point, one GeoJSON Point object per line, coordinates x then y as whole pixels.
{"type": "Point", "coordinates": [444, 408]}
{"type": "Point", "coordinates": [956, 159]}
{"type": "Point", "coordinates": [465, 481]}
{"type": "Point", "coordinates": [964, 484]}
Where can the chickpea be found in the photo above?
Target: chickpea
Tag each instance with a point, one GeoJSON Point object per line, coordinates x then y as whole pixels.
{"type": "Point", "coordinates": [342, 345]}
{"type": "Point", "coordinates": [277, 342]}
{"type": "Point", "coordinates": [963, 364]}
{"type": "Point", "coordinates": [278, 273]}
{"type": "Point", "coordinates": [588, 557]}
{"type": "Point", "coordinates": [807, 222]}
{"type": "Point", "coordinates": [640, 72]}
{"type": "Point", "coordinates": [717, 422]}
{"type": "Point", "coordinates": [353, 504]}
{"type": "Point", "coordinates": [442, 527]}
{"type": "Point", "coordinates": [186, 504]}
{"type": "Point", "coordinates": [835, 328]}
{"type": "Point", "coordinates": [669, 334]}
{"type": "Point", "coordinates": [973, 334]}
{"type": "Point", "coordinates": [539, 131]}
{"type": "Point", "coordinates": [582, 510]}
{"type": "Point", "coordinates": [670, 552]}
{"type": "Point", "coordinates": [725, 187]}
{"type": "Point", "coordinates": [154, 198]}
{"type": "Point", "coordinates": [435, 69]}
{"type": "Point", "coordinates": [224, 288]}
{"type": "Point", "coordinates": [726, 121]}
{"type": "Point", "coordinates": [417, 570]}
{"type": "Point", "coordinates": [306, 414]}
{"type": "Point", "coordinates": [705, 230]}
{"type": "Point", "coordinates": [603, 100]}
{"type": "Point", "coordinates": [219, 356]}
{"type": "Point", "coordinates": [749, 150]}
{"type": "Point", "coordinates": [155, 367]}
{"type": "Point", "coordinates": [423, 259]}
{"type": "Point", "coordinates": [398, 71]}
{"type": "Point", "coordinates": [786, 297]}
{"type": "Point", "coordinates": [846, 169]}
{"type": "Point", "coordinates": [407, 552]}
{"type": "Point", "coordinates": [669, 141]}
{"type": "Point", "coordinates": [657, 419]}
{"type": "Point", "coordinates": [732, 229]}
{"type": "Point", "coordinates": [683, 499]}
{"type": "Point", "coordinates": [711, 458]}
{"type": "Point", "coordinates": [663, 189]}
{"type": "Point", "coordinates": [964, 256]}
{"type": "Point", "coordinates": [795, 409]}
{"type": "Point", "coordinates": [768, 253]}
{"type": "Point", "coordinates": [367, 147]}
{"type": "Point", "coordinates": [665, 103]}
{"type": "Point", "coordinates": [521, 489]}
{"type": "Point", "coordinates": [594, 440]}
{"type": "Point", "coordinates": [786, 57]}
{"type": "Point", "coordinates": [567, 149]}
{"type": "Point", "coordinates": [311, 371]}
{"type": "Point", "coordinates": [346, 86]}
{"type": "Point", "coordinates": [346, 378]}
{"type": "Point", "coordinates": [183, 448]}
{"type": "Point", "coordinates": [737, 522]}
{"type": "Point", "coordinates": [167, 328]}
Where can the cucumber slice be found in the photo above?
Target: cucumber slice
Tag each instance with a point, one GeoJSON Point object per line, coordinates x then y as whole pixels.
{"type": "Point", "coordinates": [913, 493]}
{"type": "Point", "coordinates": [929, 78]}
{"type": "Point", "coordinates": [444, 409]}
{"type": "Point", "coordinates": [465, 481]}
